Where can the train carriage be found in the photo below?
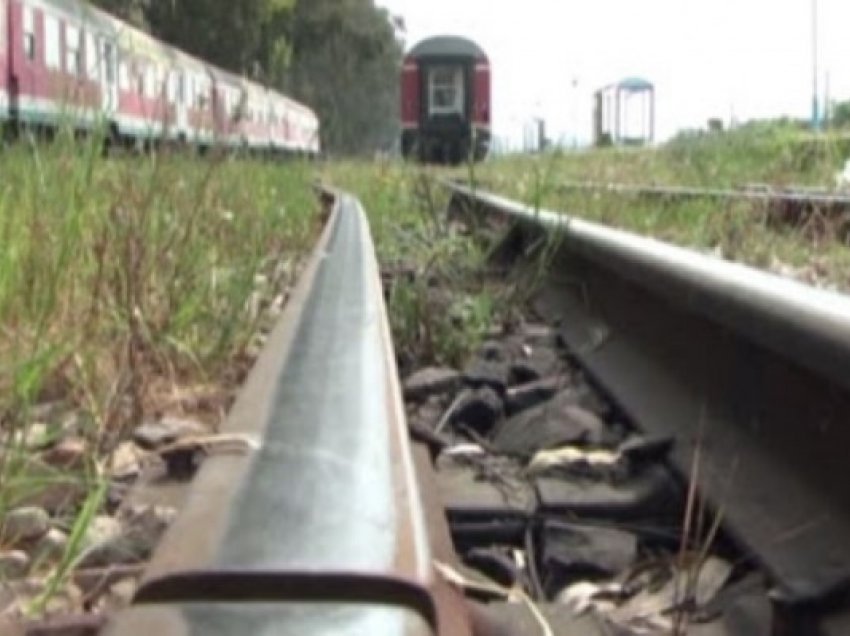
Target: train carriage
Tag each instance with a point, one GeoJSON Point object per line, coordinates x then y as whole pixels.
{"type": "Point", "coordinates": [254, 125]}
{"type": "Point", "coordinates": [230, 107]}
{"type": "Point", "coordinates": [304, 131]}
{"type": "Point", "coordinates": [144, 110]}
{"type": "Point", "coordinates": [295, 128]}
{"type": "Point", "coordinates": [4, 62]}
{"type": "Point", "coordinates": [52, 70]}
{"type": "Point", "coordinates": [445, 101]}
{"type": "Point", "coordinates": [65, 61]}
{"type": "Point", "coordinates": [196, 115]}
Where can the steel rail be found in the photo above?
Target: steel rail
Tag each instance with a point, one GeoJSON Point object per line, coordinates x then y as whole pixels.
{"type": "Point", "coordinates": [800, 197]}
{"type": "Point", "coordinates": [318, 526]}
{"type": "Point", "coordinates": [751, 369]}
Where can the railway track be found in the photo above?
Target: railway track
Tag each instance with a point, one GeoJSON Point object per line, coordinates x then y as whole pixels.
{"type": "Point", "coordinates": [794, 196]}
{"type": "Point", "coordinates": [670, 367]}
{"type": "Point", "coordinates": [816, 211]}
{"type": "Point", "coordinates": [742, 368]}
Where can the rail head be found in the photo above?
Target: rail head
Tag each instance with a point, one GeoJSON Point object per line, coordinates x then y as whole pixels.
{"type": "Point", "coordinates": [325, 507]}
{"type": "Point", "coordinates": [808, 325]}
{"type": "Point", "coordinates": [745, 370]}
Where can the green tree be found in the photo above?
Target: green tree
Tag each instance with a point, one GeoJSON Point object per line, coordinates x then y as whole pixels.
{"type": "Point", "coordinates": [231, 34]}
{"type": "Point", "coordinates": [133, 11]}
{"type": "Point", "coordinates": [841, 114]}
{"type": "Point", "coordinates": [345, 61]}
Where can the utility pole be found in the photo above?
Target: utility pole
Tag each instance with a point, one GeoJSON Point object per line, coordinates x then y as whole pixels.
{"type": "Point", "coordinates": [575, 106]}
{"type": "Point", "coordinates": [815, 109]}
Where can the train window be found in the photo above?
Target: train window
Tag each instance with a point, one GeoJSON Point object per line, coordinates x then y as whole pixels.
{"type": "Point", "coordinates": [150, 82]}
{"type": "Point", "coordinates": [92, 61]}
{"type": "Point", "coordinates": [73, 57]}
{"type": "Point", "coordinates": [123, 77]}
{"type": "Point", "coordinates": [29, 33]}
{"type": "Point", "coordinates": [171, 87]}
{"type": "Point", "coordinates": [446, 90]}
{"type": "Point", "coordinates": [52, 54]}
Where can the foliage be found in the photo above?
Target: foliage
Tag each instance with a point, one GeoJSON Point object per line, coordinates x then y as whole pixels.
{"type": "Point", "coordinates": [124, 281]}
{"type": "Point", "coordinates": [133, 11]}
{"type": "Point", "coordinates": [441, 306]}
{"type": "Point", "coordinates": [760, 153]}
{"type": "Point", "coordinates": [840, 117]}
{"type": "Point", "coordinates": [345, 63]}
{"type": "Point", "coordinates": [238, 35]}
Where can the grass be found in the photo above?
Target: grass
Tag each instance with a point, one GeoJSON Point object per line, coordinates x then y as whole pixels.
{"type": "Point", "coordinates": [441, 303]}
{"type": "Point", "coordinates": [424, 253]}
{"type": "Point", "coordinates": [127, 281]}
{"type": "Point", "coordinates": [123, 282]}
{"type": "Point", "coordinates": [758, 153]}
{"type": "Point", "coordinates": [741, 231]}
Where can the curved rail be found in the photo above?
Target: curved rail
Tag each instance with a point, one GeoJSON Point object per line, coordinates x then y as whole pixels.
{"type": "Point", "coordinates": [750, 369]}
{"type": "Point", "coordinates": [317, 527]}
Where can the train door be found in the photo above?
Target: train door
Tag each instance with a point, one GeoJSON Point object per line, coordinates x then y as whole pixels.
{"type": "Point", "coordinates": [179, 77]}
{"type": "Point", "coordinates": [109, 75]}
{"type": "Point", "coordinates": [5, 60]}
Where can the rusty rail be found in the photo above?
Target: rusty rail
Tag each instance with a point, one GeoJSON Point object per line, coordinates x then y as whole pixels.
{"type": "Point", "coordinates": [317, 526]}
{"type": "Point", "coordinates": [744, 370]}
{"type": "Point", "coordinates": [797, 196]}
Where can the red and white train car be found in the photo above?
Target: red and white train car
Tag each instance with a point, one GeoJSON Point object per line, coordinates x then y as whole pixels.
{"type": "Point", "coordinates": [445, 100]}
{"type": "Point", "coordinates": [4, 61]}
{"type": "Point", "coordinates": [65, 61]}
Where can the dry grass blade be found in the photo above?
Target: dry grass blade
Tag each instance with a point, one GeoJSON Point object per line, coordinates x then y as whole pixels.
{"type": "Point", "coordinates": [455, 578]}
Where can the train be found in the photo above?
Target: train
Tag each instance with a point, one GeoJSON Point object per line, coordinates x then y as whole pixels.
{"type": "Point", "coordinates": [445, 101]}
{"type": "Point", "coordinates": [65, 62]}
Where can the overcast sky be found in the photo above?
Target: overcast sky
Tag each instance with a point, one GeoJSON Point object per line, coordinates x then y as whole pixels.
{"type": "Point", "coordinates": [707, 58]}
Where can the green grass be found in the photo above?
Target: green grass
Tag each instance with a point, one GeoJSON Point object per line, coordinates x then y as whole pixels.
{"type": "Point", "coordinates": [441, 305]}
{"type": "Point", "coordinates": [123, 278]}
{"type": "Point", "coordinates": [764, 154]}
{"type": "Point", "coordinates": [760, 153]}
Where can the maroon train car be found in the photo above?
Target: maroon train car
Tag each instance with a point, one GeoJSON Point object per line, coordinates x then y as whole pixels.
{"type": "Point", "coordinates": [445, 101]}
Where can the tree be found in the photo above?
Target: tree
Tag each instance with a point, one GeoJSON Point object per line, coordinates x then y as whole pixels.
{"type": "Point", "coordinates": [238, 35]}
{"type": "Point", "coordinates": [841, 114]}
{"type": "Point", "coordinates": [133, 11]}
{"type": "Point", "coordinates": [345, 61]}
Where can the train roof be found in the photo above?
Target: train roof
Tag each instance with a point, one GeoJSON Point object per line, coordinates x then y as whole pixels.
{"type": "Point", "coordinates": [447, 45]}
{"type": "Point", "coordinates": [632, 84]}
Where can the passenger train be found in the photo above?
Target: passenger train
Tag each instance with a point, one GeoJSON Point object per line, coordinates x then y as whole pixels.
{"type": "Point", "coordinates": [445, 101]}
{"type": "Point", "coordinates": [66, 61]}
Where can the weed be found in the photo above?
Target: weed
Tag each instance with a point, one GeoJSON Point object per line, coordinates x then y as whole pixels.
{"type": "Point", "coordinates": [118, 276]}
{"type": "Point", "coordinates": [440, 303]}
{"type": "Point", "coordinates": [775, 155]}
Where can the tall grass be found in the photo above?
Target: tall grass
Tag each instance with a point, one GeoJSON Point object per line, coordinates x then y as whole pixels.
{"type": "Point", "coordinates": [440, 304]}
{"type": "Point", "coordinates": [120, 276]}
{"type": "Point", "coordinates": [759, 154]}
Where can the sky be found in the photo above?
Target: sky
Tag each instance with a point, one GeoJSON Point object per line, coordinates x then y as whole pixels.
{"type": "Point", "coordinates": [731, 59]}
